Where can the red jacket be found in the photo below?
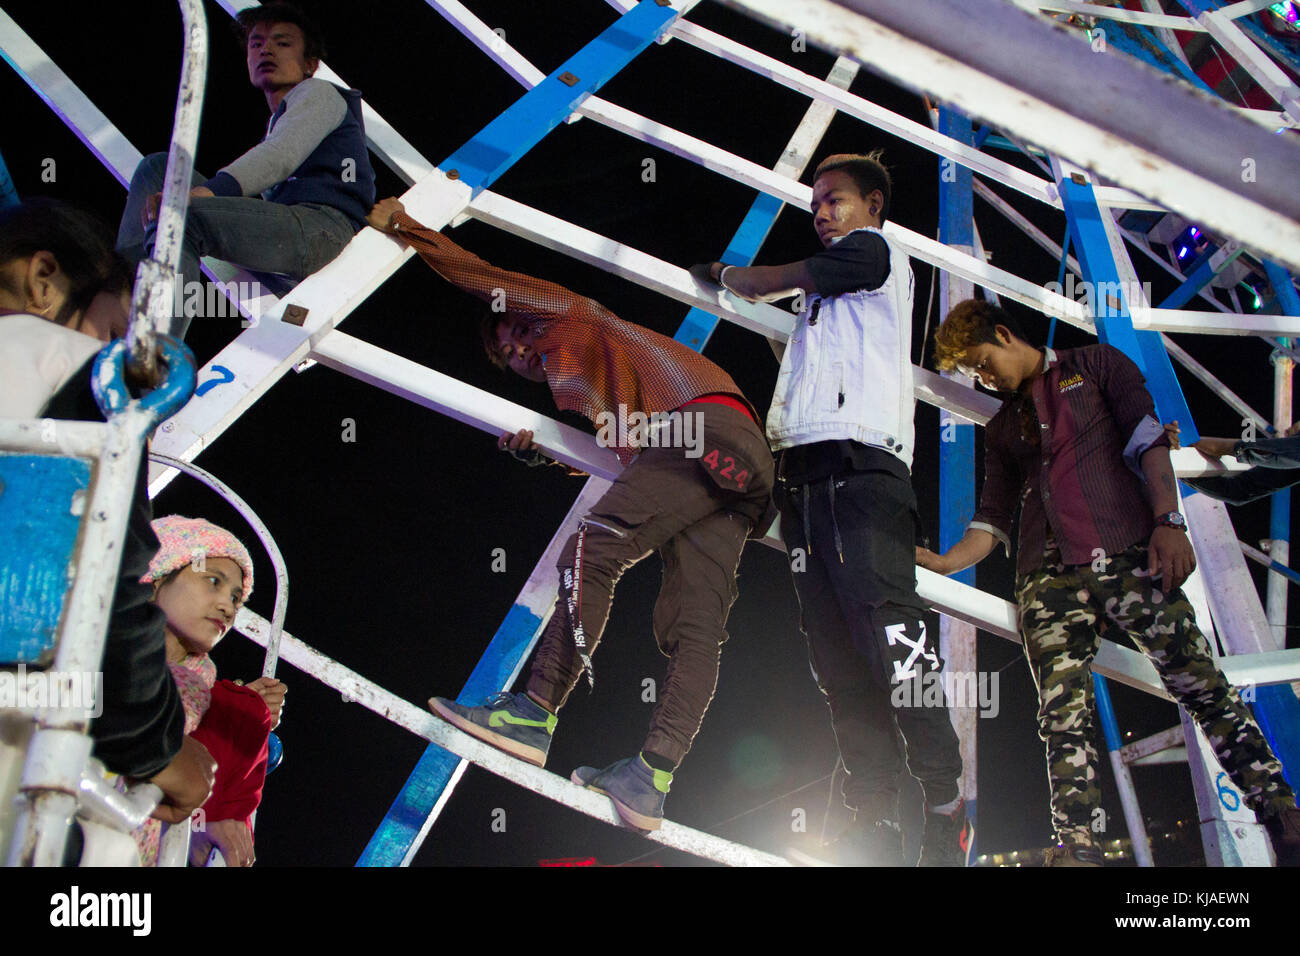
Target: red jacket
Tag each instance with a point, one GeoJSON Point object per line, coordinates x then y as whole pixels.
{"type": "Point", "coordinates": [234, 730]}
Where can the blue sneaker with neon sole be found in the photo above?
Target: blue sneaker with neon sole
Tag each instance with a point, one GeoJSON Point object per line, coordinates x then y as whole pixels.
{"type": "Point", "coordinates": [514, 723]}
{"type": "Point", "coordinates": [636, 788]}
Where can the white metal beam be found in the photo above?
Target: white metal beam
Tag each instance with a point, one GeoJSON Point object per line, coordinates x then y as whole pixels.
{"type": "Point", "coordinates": [1215, 323]}
{"type": "Point", "coordinates": [58, 91]}
{"type": "Point", "coordinates": [676, 283]}
{"type": "Point", "coordinates": [1121, 15]}
{"type": "Point", "coordinates": [494, 415]}
{"type": "Point", "coordinates": [1254, 61]}
{"type": "Point", "coordinates": [1177, 352]}
{"type": "Point", "coordinates": [860, 108]}
{"type": "Point", "coordinates": [423, 724]}
{"type": "Point", "coordinates": [1163, 740]}
{"type": "Point", "coordinates": [262, 354]}
{"type": "Point", "coordinates": [1244, 8]}
{"type": "Point", "coordinates": [465, 403]}
{"type": "Point", "coordinates": [1158, 138]}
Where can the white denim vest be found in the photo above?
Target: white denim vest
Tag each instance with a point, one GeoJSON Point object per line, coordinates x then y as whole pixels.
{"type": "Point", "coordinates": [847, 369]}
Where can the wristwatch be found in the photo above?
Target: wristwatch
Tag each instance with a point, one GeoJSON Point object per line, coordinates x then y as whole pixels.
{"type": "Point", "coordinates": [1172, 519]}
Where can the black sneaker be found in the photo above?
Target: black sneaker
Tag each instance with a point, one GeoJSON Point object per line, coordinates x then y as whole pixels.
{"type": "Point", "coordinates": [874, 843]}
{"type": "Point", "coordinates": [948, 838]}
{"type": "Point", "coordinates": [636, 788]}
{"type": "Point", "coordinates": [1284, 832]}
{"type": "Point", "coordinates": [514, 723]}
{"type": "Point", "coordinates": [1076, 854]}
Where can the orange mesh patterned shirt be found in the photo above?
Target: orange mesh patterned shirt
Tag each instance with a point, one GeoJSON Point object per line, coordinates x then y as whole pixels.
{"type": "Point", "coordinates": [594, 361]}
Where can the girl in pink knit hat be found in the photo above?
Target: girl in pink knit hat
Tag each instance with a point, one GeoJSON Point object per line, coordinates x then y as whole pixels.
{"type": "Point", "coordinates": [202, 574]}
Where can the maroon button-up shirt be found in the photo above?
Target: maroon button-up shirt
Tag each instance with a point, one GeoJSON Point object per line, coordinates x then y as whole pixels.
{"type": "Point", "coordinates": [1081, 483]}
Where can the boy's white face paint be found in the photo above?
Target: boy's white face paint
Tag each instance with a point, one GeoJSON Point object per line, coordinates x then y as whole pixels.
{"type": "Point", "coordinates": [838, 207]}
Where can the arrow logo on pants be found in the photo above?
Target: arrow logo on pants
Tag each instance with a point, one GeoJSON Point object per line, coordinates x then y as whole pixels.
{"type": "Point", "coordinates": [897, 634]}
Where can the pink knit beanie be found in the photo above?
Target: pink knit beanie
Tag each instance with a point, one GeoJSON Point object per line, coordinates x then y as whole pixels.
{"type": "Point", "coordinates": [183, 540]}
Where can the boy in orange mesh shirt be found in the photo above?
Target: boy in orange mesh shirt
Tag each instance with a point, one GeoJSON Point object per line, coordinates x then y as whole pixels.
{"type": "Point", "coordinates": [695, 505]}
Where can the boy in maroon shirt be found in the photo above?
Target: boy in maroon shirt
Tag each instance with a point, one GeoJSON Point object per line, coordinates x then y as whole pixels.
{"type": "Point", "coordinates": [1078, 446]}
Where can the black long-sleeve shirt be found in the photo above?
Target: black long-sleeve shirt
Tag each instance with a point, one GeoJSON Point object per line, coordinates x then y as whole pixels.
{"type": "Point", "coordinates": [1276, 464]}
{"type": "Point", "coordinates": [143, 723]}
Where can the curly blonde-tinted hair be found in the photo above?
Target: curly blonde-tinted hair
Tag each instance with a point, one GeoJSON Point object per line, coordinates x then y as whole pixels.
{"type": "Point", "coordinates": [971, 322]}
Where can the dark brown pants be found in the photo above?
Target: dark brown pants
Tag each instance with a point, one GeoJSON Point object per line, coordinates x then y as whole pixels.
{"type": "Point", "coordinates": [698, 520]}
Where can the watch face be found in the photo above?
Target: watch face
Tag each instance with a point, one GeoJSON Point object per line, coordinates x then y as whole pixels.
{"type": "Point", "coordinates": [1173, 519]}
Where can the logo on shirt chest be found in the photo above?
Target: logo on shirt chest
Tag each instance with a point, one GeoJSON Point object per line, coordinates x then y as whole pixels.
{"type": "Point", "coordinates": [1069, 384]}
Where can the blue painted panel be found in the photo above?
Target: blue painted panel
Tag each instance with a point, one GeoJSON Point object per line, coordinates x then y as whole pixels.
{"type": "Point", "coordinates": [1162, 383]}
{"type": "Point", "coordinates": [415, 801]}
{"type": "Point", "coordinates": [1277, 710]}
{"type": "Point", "coordinates": [956, 490]}
{"type": "Point", "coordinates": [1092, 249]}
{"type": "Point", "coordinates": [956, 227]}
{"type": "Point", "coordinates": [39, 532]}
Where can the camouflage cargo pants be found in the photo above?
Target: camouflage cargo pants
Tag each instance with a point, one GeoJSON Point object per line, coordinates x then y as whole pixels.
{"type": "Point", "coordinates": [1061, 616]}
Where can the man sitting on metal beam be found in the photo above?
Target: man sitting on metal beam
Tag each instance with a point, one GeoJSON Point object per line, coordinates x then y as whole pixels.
{"type": "Point", "coordinates": [1077, 448]}
{"type": "Point", "coordinates": [311, 171]}
{"type": "Point", "coordinates": [841, 419]}
{"type": "Point", "coordinates": [697, 483]}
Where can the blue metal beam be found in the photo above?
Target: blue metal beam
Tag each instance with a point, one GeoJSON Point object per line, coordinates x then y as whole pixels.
{"type": "Point", "coordinates": [497, 146]}
{"type": "Point", "coordinates": [1130, 37]}
{"type": "Point", "coordinates": [957, 442]}
{"type": "Point", "coordinates": [398, 833]}
{"type": "Point", "coordinates": [478, 163]}
{"type": "Point", "coordinates": [699, 325]}
{"type": "Point", "coordinates": [1109, 302]}
{"type": "Point", "coordinates": [1196, 280]}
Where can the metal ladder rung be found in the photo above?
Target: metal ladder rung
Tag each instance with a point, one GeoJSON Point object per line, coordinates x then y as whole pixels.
{"type": "Point", "coordinates": [424, 724]}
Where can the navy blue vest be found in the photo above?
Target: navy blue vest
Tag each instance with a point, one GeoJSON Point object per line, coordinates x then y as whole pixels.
{"type": "Point", "coordinates": [324, 177]}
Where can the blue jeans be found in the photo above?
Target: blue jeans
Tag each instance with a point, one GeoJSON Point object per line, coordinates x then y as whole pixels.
{"type": "Point", "coordinates": [263, 237]}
